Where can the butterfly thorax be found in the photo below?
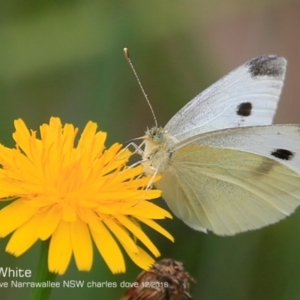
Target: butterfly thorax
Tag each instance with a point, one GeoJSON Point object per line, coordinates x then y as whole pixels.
{"type": "Point", "coordinates": [158, 144]}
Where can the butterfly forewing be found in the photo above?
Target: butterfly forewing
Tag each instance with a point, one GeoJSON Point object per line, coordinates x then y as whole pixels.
{"type": "Point", "coordinates": [247, 96]}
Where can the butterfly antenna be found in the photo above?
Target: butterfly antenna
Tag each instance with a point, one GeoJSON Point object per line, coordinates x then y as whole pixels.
{"type": "Point", "coordinates": [126, 52]}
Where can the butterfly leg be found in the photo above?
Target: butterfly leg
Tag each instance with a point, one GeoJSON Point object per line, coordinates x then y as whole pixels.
{"type": "Point", "coordinates": [137, 148]}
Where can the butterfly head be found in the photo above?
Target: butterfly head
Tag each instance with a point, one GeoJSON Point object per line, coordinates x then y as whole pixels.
{"type": "Point", "coordinates": [156, 135]}
{"type": "Point", "coordinates": [154, 140]}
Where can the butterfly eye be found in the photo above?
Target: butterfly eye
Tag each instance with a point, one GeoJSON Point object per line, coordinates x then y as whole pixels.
{"type": "Point", "coordinates": [158, 138]}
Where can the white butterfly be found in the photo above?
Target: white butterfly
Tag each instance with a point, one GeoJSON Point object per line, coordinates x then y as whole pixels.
{"type": "Point", "coordinates": [223, 167]}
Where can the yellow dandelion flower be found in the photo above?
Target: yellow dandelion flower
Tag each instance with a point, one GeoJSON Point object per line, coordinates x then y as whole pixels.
{"type": "Point", "coordinates": [74, 194]}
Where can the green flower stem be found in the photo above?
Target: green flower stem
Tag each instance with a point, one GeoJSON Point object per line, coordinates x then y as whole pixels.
{"type": "Point", "coordinates": [43, 275]}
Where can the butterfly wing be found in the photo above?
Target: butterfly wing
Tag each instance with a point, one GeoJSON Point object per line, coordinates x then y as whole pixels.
{"type": "Point", "coordinates": [247, 96]}
{"type": "Point", "coordinates": [279, 142]}
{"type": "Point", "coordinates": [229, 190]}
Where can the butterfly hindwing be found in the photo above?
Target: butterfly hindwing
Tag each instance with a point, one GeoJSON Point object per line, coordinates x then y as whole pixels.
{"type": "Point", "coordinates": [228, 191]}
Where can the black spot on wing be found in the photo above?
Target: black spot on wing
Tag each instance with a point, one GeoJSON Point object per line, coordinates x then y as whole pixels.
{"type": "Point", "coordinates": [244, 109]}
{"type": "Point", "coordinates": [283, 154]}
{"type": "Point", "coordinates": [267, 65]}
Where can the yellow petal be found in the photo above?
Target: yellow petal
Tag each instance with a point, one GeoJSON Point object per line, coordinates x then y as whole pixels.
{"type": "Point", "coordinates": [82, 245]}
{"type": "Point", "coordinates": [24, 237]}
{"type": "Point", "coordinates": [51, 219]}
{"type": "Point", "coordinates": [14, 215]}
{"type": "Point", "coordinates": [109, 249]}
{"type": "Point", "coordinates": [121, 234]}
{"type": "Point", "coordinates": [60, 249]}
{"type": "Point", "coordinates": [141, 258]}
{"type": "Point", "coordinates": [156, 227]}
{"type": "Point", "coordinates": [22, 135]}
{"type": "Point", "coordinates": [127, 223]}
{"type": "Point", "coordinates": [149, 210]}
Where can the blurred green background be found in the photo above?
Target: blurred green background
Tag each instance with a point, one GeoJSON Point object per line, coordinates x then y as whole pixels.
{"type": "Point", "coordinates": [64, 58]}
